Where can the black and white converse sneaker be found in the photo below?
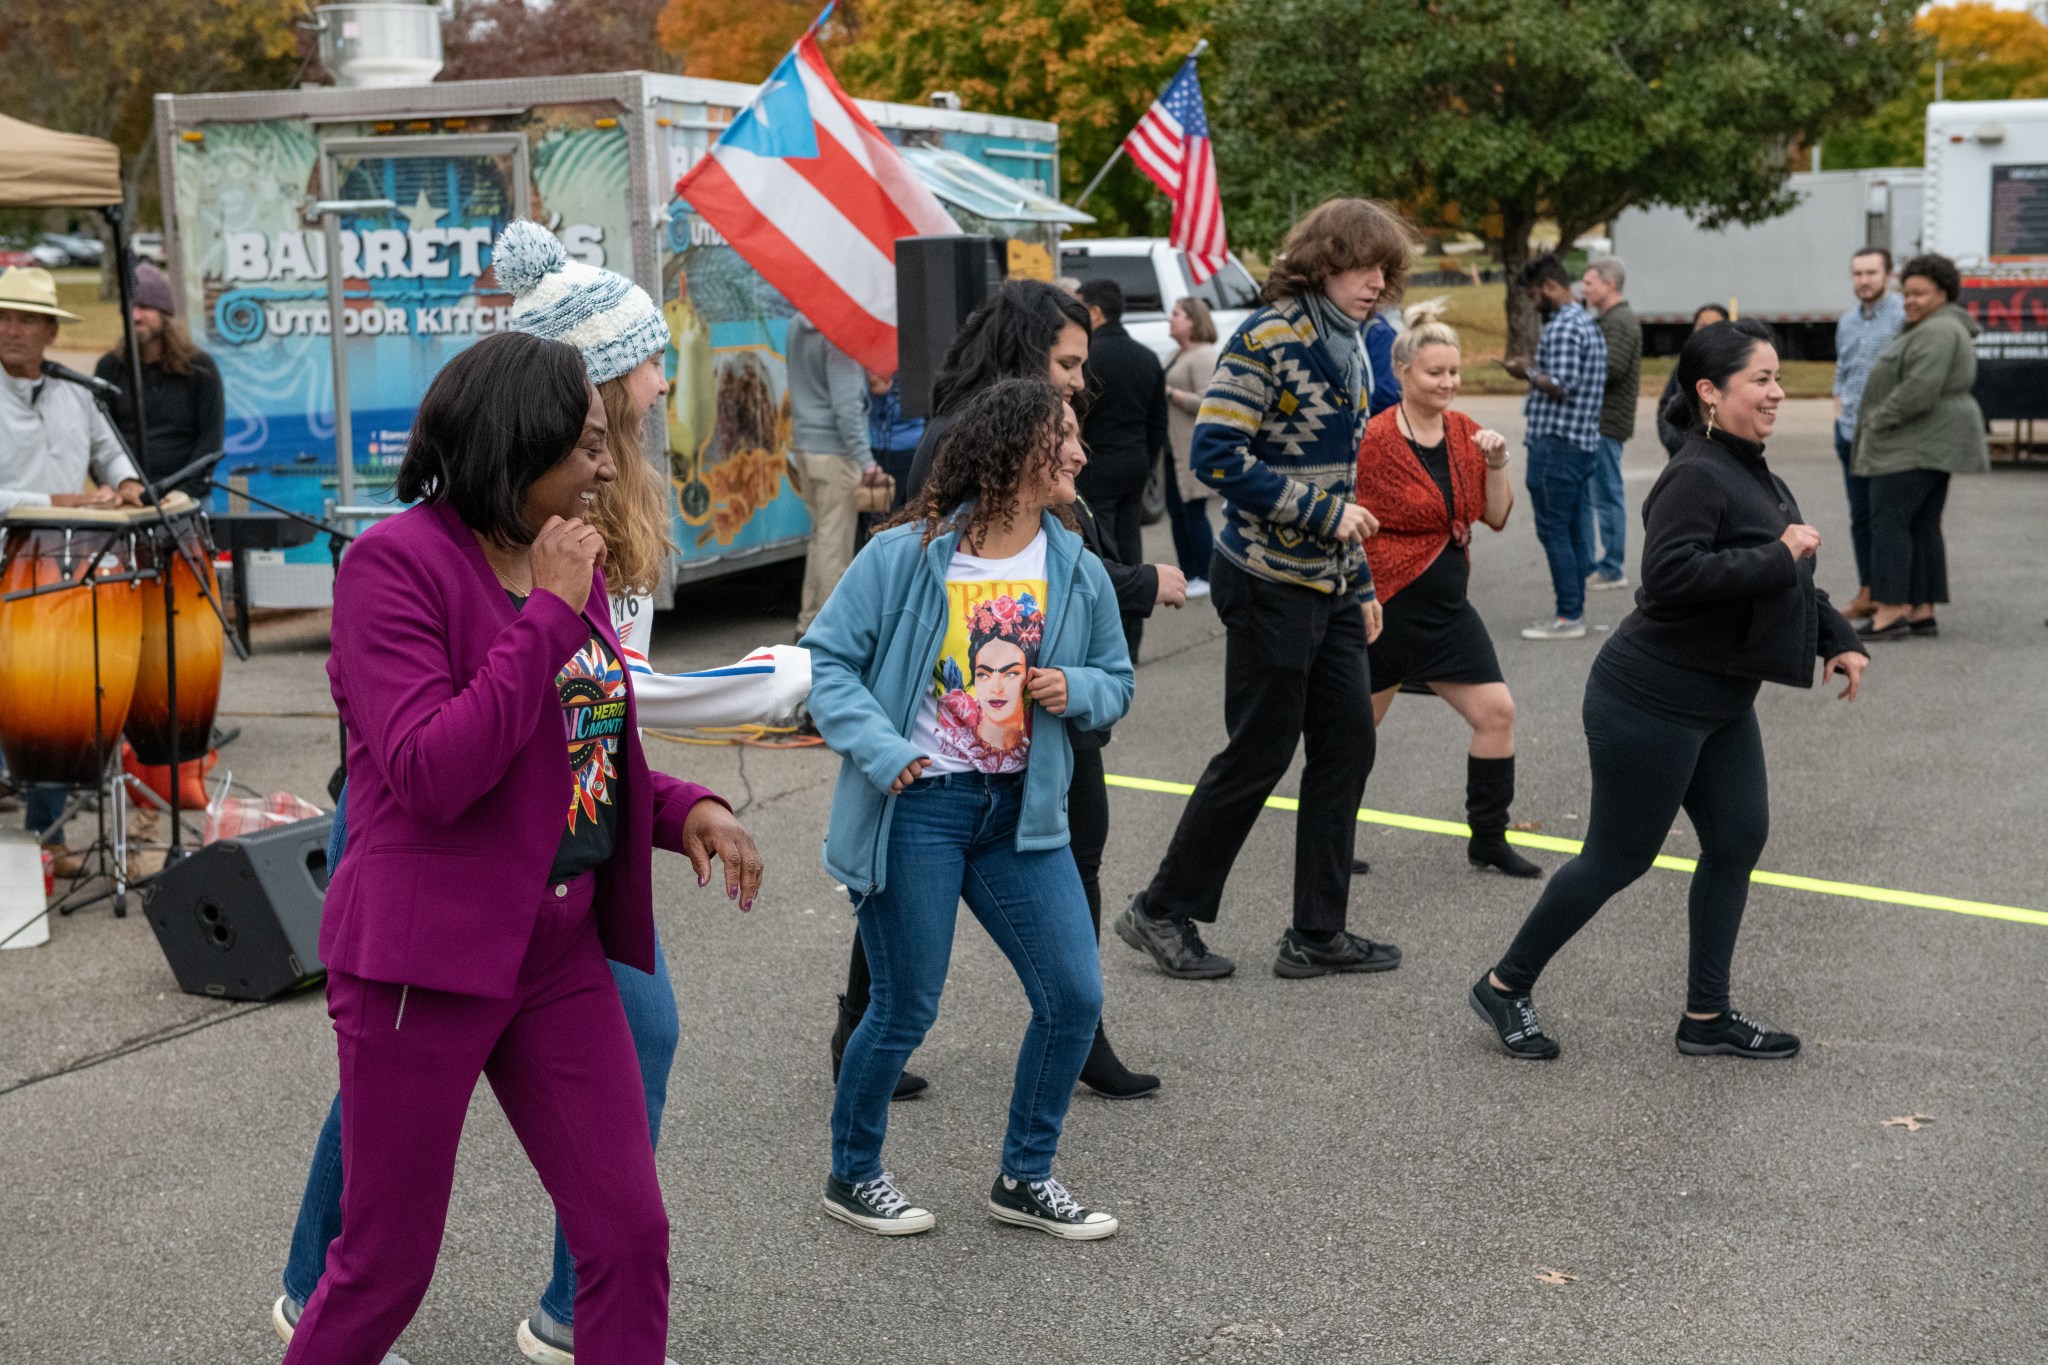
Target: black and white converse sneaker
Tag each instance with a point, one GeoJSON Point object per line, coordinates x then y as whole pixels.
{"type": "Point", "coordinates": [1734, 1034]}
{"type": "Point", "coordinates": [1514, 1018]}
{"type": "Point", "coordinates": [1046, 1205]}
{"type": "Point", "coordinates": [876, 1206]}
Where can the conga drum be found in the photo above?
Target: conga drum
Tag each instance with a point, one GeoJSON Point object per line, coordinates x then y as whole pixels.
{"type": "Point", "coordinates": [68, 658]}
{"type": "Point", "coordinates": [200, 639]}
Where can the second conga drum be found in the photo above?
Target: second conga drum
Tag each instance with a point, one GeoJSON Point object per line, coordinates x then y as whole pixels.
{"type": "Point", "coordinates": [200, 639]}
{"type": "Point", "coordinates": [51, 730]}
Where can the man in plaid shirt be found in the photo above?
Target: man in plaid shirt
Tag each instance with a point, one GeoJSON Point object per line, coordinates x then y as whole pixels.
{"type": "Point", "coordinates": [1567, 381]}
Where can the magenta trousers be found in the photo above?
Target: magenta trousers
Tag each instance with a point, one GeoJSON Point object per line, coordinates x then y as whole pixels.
{"type": "Point", "coordinates": [561, 1062]}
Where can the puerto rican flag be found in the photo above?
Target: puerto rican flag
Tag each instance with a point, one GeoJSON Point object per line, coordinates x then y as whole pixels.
{"type": "Point", "coordinates": [811, 195]}
{"type": "Point", "coordinates": [1171, 146]}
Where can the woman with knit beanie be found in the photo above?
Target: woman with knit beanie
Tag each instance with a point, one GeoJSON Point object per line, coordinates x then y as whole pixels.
{"type": "Point", "coordinates": [1428, 473]}
{"type": "Point", "coordinates": [622, 337]}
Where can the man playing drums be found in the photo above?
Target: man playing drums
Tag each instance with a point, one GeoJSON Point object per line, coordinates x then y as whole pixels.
{"type": "Point", "coordinates": [51, 437]}
{"type": "Point", "coordinates": [51, 434]}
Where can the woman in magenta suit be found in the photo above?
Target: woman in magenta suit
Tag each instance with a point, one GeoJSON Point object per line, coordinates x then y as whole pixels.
{"type": "Point", "coordinates": [501, 822]}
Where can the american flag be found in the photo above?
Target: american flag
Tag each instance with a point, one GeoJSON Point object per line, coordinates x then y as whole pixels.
{"type": "Point", "coordinates": [1171, 146]}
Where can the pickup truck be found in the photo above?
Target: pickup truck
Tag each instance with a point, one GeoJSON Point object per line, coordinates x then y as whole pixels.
{"type": "Point", "coordinates": [1154, 276]}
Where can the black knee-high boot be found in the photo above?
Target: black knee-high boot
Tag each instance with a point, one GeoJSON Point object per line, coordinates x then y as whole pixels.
{"type": "Point", "coordinates": [1104, 1072]}
{"type": "Point", "coordinates": [1489, 791]}
{"type": "Point", "coordinates": [852, 1006]}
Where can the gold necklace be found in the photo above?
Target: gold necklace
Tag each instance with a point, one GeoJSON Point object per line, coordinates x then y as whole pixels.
{"type": "Point", "coordinates": [509, 585]}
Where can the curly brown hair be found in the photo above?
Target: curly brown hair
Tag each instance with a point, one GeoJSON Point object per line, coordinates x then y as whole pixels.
{"type": "Point", "coordinates": [1340, 235]}
{"type": "Point", "coordinates": [1001, 435]}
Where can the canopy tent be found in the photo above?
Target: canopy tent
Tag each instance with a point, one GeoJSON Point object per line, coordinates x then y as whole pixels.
{"type": "Point", "coordinates": [40, 168]}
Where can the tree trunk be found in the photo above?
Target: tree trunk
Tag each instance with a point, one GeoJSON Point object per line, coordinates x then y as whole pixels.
{"type": "Point", "coordinates": [1514, 254]}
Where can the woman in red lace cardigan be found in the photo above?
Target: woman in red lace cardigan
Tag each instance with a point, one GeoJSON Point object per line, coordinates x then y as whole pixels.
{"type": "Point", "coordinates": [1428, 473]}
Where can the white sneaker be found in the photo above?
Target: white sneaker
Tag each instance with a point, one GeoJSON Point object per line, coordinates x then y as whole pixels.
{"type": "Point", "coordinates": [1559, 629]}
{"type": "Point", "coordinates": [544, 1341]}
{"type": "Point", "coordinates": [1601, 583]}
{"type": "Point", "coordinates": [284, 1317]}
{"type": "Point", "coordinates": [1197, 587]}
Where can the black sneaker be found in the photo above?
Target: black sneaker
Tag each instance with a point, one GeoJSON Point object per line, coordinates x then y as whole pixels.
{"type": "Point", "coordinates": [1046, 1205]}
{"type": "Point", "coordinates": [1174, 944]}
{"type": "Point", "coordinates": [876, 1206]}
{"type": "Point", "coordinates": [1514, 1018]}
{"type": "Point", "coordinates": [1300, 957]}
{"type": "Point", "coordinates": [1734, 1034]}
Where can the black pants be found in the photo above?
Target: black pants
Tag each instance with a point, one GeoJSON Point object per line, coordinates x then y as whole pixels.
{"type": "Point", "coordinates": [1293, 672]}
{"type": "Point", "coordinates": [1645, 768]}
{"type": "Point", "coordinates": [1121, 520]}
{"type": "Point", "coordinates": [1908, 560]}
{"type": "Point", "coordinates": [1087, 827]}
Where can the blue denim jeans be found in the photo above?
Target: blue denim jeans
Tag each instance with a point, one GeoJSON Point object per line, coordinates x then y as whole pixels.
{"type": "Point", "coordinates": [951, 837]}
{"type": "Point", "coordinates": [1558, 484]}
{"type": "Point", "coordinates": [1858, 489]}
{"type": "Point", "coordinates": [650, 1004]}
{"type": "Point", "coordinates": [43, 805]}
{"type": "Point", "coordinates": [1606, 511]}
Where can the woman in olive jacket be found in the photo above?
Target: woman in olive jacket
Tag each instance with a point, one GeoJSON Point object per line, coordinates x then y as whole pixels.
{"type": "Point", "coordinates": [1917, 426]}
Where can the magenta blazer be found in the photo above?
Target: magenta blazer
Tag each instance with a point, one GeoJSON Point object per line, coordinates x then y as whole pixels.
{"type": "Point", "coordinates": [458, 769]}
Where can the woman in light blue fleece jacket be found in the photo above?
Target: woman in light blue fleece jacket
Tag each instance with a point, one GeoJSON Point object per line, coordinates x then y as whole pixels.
{"type": "Point", "coordinates": [946, 668]}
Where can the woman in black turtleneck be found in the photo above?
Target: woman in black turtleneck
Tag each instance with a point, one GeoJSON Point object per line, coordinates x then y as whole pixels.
{"type": "Point", "coordinates": [1727, 604]}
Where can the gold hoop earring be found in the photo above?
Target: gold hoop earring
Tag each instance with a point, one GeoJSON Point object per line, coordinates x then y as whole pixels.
{"type": "Point", "coordinates": [1711, 410]}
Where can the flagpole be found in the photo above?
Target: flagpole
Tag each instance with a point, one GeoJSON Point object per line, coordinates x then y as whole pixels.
{"type": "Point", "coordinates": [1201, 46]}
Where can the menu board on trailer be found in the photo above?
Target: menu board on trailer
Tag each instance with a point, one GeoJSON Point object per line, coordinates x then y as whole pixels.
{"type": "Point", "coordinates": [2019, 213]}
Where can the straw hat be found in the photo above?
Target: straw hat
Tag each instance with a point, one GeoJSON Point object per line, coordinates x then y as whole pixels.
{"type": "Point", "coordinates": [28, 289]}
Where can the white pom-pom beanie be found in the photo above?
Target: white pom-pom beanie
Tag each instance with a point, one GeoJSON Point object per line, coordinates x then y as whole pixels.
{"type": "Point", "coordinates": [599, 312]}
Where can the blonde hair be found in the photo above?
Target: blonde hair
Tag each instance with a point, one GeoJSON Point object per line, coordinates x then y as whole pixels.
{"type": "Point", "coordinates": [1409, 344]}
{"type": "Point", "coordinates": [631, 512]}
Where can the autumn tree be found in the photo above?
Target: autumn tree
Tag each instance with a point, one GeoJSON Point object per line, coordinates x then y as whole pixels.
{"type": "Point", "coordinates": [1092, 66]}
{"type": "Point", "coordinates": [738, 40]}
{"type": "Point", "coordinates": [1494, 114]}
{"type": "Point", "coordinates": [489, 39]}
{"type": "Point", "coordinates": [1986, 53]}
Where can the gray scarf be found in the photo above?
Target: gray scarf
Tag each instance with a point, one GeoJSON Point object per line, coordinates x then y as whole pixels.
{"type": "Point", "coordinates": [1345, 341]}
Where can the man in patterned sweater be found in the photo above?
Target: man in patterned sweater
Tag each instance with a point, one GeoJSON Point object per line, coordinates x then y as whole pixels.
{"type": "Point", "coordinates": [1567, 381]}
{"type": "Point", "coordinates": [1278, 437]}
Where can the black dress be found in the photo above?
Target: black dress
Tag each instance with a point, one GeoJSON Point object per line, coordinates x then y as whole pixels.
{"type": "Point", "coordinates": [1430, 631]}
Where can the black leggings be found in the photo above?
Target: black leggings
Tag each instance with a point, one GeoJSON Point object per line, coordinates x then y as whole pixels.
{"type": "Point", "coordinates": [1645, 768]}
{"type": "Point", "coordinates": [1088, 827]}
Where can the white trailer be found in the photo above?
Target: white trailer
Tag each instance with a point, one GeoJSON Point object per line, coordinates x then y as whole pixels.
{"type": "Point", "coordinates": [1987, 209]}
{"type": "Point", "coordinates": [1792, 271]}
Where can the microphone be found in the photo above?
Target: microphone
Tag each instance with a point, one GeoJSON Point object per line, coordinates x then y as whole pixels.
{"type": "Point", "coordinates": [52, 370]}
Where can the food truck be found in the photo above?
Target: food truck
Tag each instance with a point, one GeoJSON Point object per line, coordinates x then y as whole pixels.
{"type": "Point", "coordinates": [370, 210]}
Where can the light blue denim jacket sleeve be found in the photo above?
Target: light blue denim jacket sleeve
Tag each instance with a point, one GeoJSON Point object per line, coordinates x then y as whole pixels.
{"type": "Point", "coordinates": [844, 641]}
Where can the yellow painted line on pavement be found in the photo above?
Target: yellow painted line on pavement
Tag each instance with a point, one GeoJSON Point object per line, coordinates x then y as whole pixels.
{"type": "Point", "coordinates": [1422, 824]}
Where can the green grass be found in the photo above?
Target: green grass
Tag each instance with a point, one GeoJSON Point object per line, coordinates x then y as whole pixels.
{"type": "Point", "coordinates": [1479, 313]}
{"type": "Point", "coordinates": [78, 290]}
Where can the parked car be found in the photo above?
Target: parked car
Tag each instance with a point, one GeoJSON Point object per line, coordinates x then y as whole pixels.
{"type": "Point", "coordinates": [16, 254]}
{"type": "Point", "coordinates": [79, 248]}
{"type": "Point", "coordinates": [1154, 275]}
{"type": "Point", "coordinates": [148, 246]}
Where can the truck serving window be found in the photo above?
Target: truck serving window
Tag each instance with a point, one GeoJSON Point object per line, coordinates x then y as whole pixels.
{"type": "Point", "coordinates": [1133, 275]}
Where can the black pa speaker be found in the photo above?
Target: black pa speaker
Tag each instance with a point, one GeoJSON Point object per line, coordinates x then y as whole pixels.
{"type": "Point", "coordinates": [240, 919]}
{"type": "Point", "coordinates": [939, 280]}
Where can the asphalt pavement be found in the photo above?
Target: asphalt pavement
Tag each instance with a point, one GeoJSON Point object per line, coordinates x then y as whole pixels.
{"type": "Point", "coordinates": [1343, 1169]}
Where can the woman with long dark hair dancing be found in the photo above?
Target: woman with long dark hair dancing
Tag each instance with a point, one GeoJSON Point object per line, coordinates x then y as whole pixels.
{"type": "Point", "coordinates": [1728, 603]}
{"type": "Point", "coordinates": [920, 822]}
{"type": "Point", "coordinates": [1028, 329]}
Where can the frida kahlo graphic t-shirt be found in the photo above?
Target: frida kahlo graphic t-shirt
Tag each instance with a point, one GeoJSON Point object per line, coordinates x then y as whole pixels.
{"type": "Point", "coordinates": [975, 716]}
